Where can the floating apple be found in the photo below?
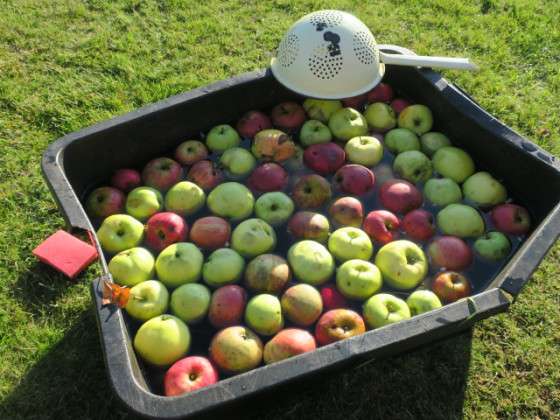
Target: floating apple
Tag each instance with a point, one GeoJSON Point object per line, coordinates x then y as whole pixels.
{"type": "Point", "coordinates": [189, 374]}
{"type": "Point", "coordinates": [236, 349]}
{"type": "Point", "coordinates": [273, 145]}
{"type": "Point", "coordinates": [238, 162]}
{"type": "Point", "coordinates": [161, 173]}
{"type": "Point", "coordinates": [399, 196]}
{"type": "Point", "coordinates": [493, 246]}
{"type": "Point", "coordinates": [205, 174]}
{"type": "Point", "coordinates": [382, 226]}
{"type": "Point", "coordinates": [356, 102]}
{"type": "Point", "coordinates": [288, 343]}
{"type": "Point", "coordinates": [178, 264]}
{"type": "Point", "coordinates": [164, 229]}
{"type": "Point", "coordinates": [295, 163]}
{"type": "Point", "coordinates": [483, 190]}
{"type": "Point", "coordinates": [311, 191]}
{"type": "Point", "coordinates": [332, 298]}
{"type": "Point", "coordinates": [311, 262]}
{"type": "Point", "coordinates": [231, 200]}
{"type": "Point", "coordinates": [384, 309]}
{"type": "Point", "coordinates": [252, 122]}
{"type": "Point", "coordinates": [253, 237]}
{"type": "Point", "coordinates": [147, 299]}
{"type": "Point", "coordinates": [452, 162]}
{"type": "Point", "coordinates": [414, 166]}
{"type": "Point", "coordinates": [190, 302]}
{"type": "Point", "coordinates": [287, 116]}
{"type": "Point", "coordinates": [191, 151]}
{"type": "Point", "coordinates": [433, 141]}
{"type": "Point", "coordinates": [364, 150]}
{"type": "Point", "coordinates": [451, 286]}
{"type": "Point", "coordinates": [162, 340]}
{"type": "Point", "coordinates": [302, 304]}
{"type": "Point", "coordinates": [354, 179]}
{"type": "Point", "coordinates": [267, 273]}
{"type": "Point", "coordinates": [210, 232]}
{"type": "Point", "coordinates": [383, 172]}
{"type": "Point", "coordinates": [380, 117]}
{"type": "Point", "coordinates": [402, 264]}
{"type": "Point", "coordinates": [460, 220]}
{"type": "Point", "coordinates": [119, 232]}
{"type": "Point", "coordinates": [419, 225]}
{"type": "Point", "coordinates": [380, 93]}
{"type": "Point", "coordinates": [400, 140]}
{"type": "Point", "coordinates": [309, 225]}
{"type": "Point", "coordinates": [321, 109]}
{"type": "Point", "coordinates": [442, 191]}
{"type": "Point", "coordinates": [358, 279]}
{"type": "Point", "coordinates": [223, 266]}
{"type": "Point", "coordinates": [126, 179]}
{"type": "Point", "coordinates": [264, 314]}
{"type": "Point", "coordinates": [132, 266]}
{"type": "Point", "coordinates": [227, 306]}
{"type": "Point", "coordinates": [142, 202]}
{"type": "Point", "coordinates": [222, 137]}
{"type": "Point", "coordinates": [450, 252]}
{"type": "Point", "coordinates": [338, 324]}
{"type": "Point", "coordinates": [417, 118]}
{"type": "Point", "coordinates": [347, 211]}
{"type": "Point", "coordinates": [398, 104]}
{"type": "Point", "coordinates": [510, 218]}
{"type": "Point", "coordinates": [347, 123]}
{"type": "Point", "coordinates": [421, 301]}
{"type": "Point", "coordinates": [274, 208]}
{"type": "Point", "coordinates": [350, 243]}
{"type": "Point", "coordinates": [324, 158]}
{"type": "Point", "coordinates": [185, 198]}
{"type": "Point", "coordinates": [314, 132]}
{"type": "Point", "coordinates": [268, 177]}
{"type": "Point", "coordinates": [105, 201]}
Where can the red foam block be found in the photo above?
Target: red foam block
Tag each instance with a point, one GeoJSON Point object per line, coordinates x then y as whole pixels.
{"type": "Point", "coordinates": [66, 253]}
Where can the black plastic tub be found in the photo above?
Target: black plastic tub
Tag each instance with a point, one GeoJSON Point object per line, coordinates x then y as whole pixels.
{"type": "Point", "coordinates": [76, 163]}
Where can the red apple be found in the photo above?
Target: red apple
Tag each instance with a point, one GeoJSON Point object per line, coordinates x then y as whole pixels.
{"type": "Point", "coordinates": [338, 324]}
{"type": "Point", "coordinates": [380, 93]}
{"type": "Point", "coordinates": [227, 306]}
{"type": "Point", "coordinates": [450, 252]}
{"type": "Point", "coordinates": [309, 225]}
{"type": "Point", "coordinates": [398, 104]}
{"type": "Point", "coordinates": [251, 123]}
{"type": "Point", "coordinates": [347, 211]}
{"type": "Point", "coordinates": [205, 174]}
{"type": "Point", "coordinates": [165, 228]}
{"type": "Point", "coordinates": [399, 196]}
{"type": "Point", "coordinates": [126, 179]}
{"type": "Point", "coordinates": [210, 232]}
{"type": "Point", "coordinates": [511, 218]}
{"type": "Point", "coordinates": [356, 102]}
{"type": "Point", "coordinates": [311, 191]}
{"type": "Point", "coordinates": [268, 177]}
{"type": "Point", "coordinates": [451, 286]}
{"type": "Point", "coordinates": [287, 343]}
{"type": "Point", "coordinates": [189, 374]}
{"type": "Point", "coordinates": [419, 225]}
{"type": "Point", "coordinates": [354, 179]}
{"type": "Point", "coordinates": [191, 151]}
{"type": "Point", "coordinates": [324, 158]}
{"type": "Point", "coordinates": [161, 173]}
{"type": "Point", "coordinates": [332, 298]}
{"type": "Point", "coordinates": [105, 201]}
{"type": "Point", "coordinates": [382, 226]}
{"type": "Point", "coordinates": [288, 116]}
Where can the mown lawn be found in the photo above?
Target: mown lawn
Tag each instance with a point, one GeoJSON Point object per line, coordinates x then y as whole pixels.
{"type": "Point", "coordinates": [67, 64]}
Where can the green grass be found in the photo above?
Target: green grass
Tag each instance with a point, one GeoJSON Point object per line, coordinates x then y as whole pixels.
{"type": "Point", "coordinates": [67, 64]}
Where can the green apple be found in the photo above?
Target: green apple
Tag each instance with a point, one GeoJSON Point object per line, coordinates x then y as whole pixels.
{"type": "Point", "coordinates": [380, 117]}
{"type": "Point", "coordinates": [162, 340]}
{"type": "Point", "coordinates": [452, 162]}
{"type": "Point", "coordinates": [460, 220]}
{"type": "Point", "coordinates": [417, 118]}
{"type": "Point", "coordinates": [442, 191]}
{"type": "Point", "coordinates": [358, 279]}
{"type": "Point", "coordinates": [119, 232]}
{"type": "Point", "coordinates": [402, 263]}
{"type": "Point", "coordinates": [485, 191]}
{"type": "Point", "coordinates": [365, 150]}
{"type": "Point", "coordinates": [314, 132]}
{"type": "Point", "coordinates": [321, 109]}
{"type": "Point", "coordinates": [238, 162]}
{"type": "Point", "coordinates": [433, 141]}
{"type": "Point", "coordinates": [493, 246]}
{"type": "Point", "coordinates": [190, 302]}
{"type": "Point", "coordinates": [185, 198]}
{"type": "Point", "coordinates": [132, 266]}
{"type": "Point", "coordinates": [223, 266]}
{"type": "Point", "coordinates": [142, 202]}
{"type": "Point", "coordinates": [295, 163]}
{"type": "Point", "coordinates": [384, 309]}
{"type": "Point", "coordinates": [178, 264]}
{"type": "Point", "coordinates": [147, 300]}
{"type": "Point", "coordinates": [310, 262]}
{"type": "Point", "coordinates": [253, 237]}
{"type": "Point", "coordinates": [414, 166]}
{"type": "Point", "coordinates": [264, 314]}
{"type": "Point", "coordinates": [349, 243]}
{"type": "Point", "coordinates": [222, 137]}
{"type": "Point", "coordinates": [347, 123]}
{"type": "Point", "coordinates": [421, 301]}
{"type": "Point", "coordinates": [400, 140]}
{"type": "Point", "coordinates": [231, 200]}
{"type": "Point", "coordinates": [274, 207]}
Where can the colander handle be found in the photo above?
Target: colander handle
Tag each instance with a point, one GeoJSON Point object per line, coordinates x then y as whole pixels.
{"type": "Point", "coordinates": [427, 61]}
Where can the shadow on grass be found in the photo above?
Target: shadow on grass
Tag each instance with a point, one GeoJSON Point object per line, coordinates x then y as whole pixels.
{"type": "Point", "coordinates": [70, 382]}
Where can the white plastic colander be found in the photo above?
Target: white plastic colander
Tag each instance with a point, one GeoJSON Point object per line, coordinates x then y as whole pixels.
{"type": "Point", "coordinates": [331, 54]}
